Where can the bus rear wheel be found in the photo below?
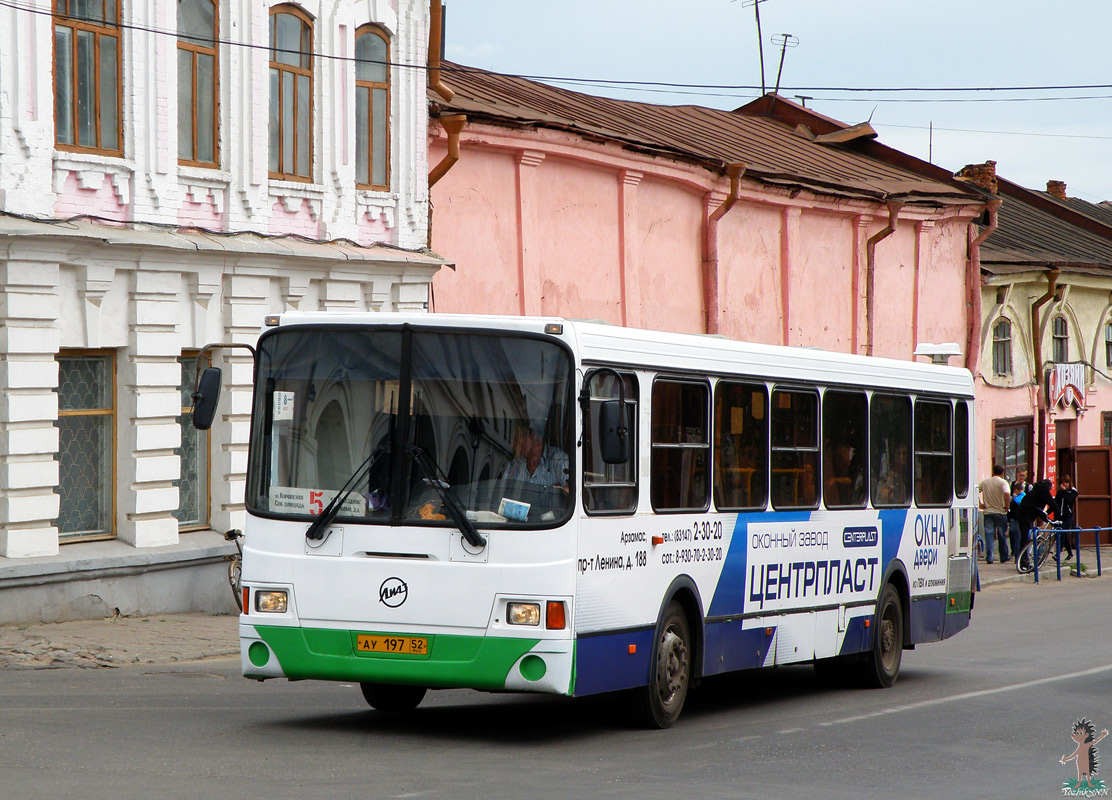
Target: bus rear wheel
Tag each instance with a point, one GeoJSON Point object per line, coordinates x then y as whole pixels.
{"type": "Point", "coordinates": [882, 663]}
{"type": "Point", "coordinates": [386, 697]}
{"type": "Point", "coordinates": [659, 704]}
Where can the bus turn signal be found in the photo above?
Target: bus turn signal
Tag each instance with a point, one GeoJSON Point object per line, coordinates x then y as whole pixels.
{"type": "Point", "coordinates": [554, 618]}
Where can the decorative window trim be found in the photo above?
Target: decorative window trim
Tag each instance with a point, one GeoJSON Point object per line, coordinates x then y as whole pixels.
{"type": "Point", "coordinates": [90, 169]}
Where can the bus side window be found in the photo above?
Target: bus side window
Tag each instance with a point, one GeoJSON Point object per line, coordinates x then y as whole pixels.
{"type": "Point", "coordinates": [795, 449]}
{"type": "Point", "coordinates": [680, 446]}
{"type": "Point", "coordinates": [890, 450]}
{"type": "Point", "coordinates": [844, 456]}
{"type": "Point", "coordinates": [609, 488]}
{"type": "Point", "coordinates": [934, 457]}
{"type": "Point", "coordinates": [961, 448]}
{"type": "Point", "coordinates": [740, 446]}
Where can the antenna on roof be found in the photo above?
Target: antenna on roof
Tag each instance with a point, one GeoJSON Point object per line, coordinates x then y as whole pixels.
{"type": "Point", "coordinates": [785, 40]}
{"type": "Point", "coordinates": [756, 4]}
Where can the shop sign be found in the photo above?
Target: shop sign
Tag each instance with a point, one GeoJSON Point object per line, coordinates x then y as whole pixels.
{"type": "Point", "coordinates": [1066, 385]}
{"type": "Point", "coordinates": [1051, 439]}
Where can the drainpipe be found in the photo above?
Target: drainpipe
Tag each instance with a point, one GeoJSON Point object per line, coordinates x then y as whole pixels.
{"type": "Point", "coordinates": [436, 34]}
{"type": "Point", "coordinates": [973, 292]}
{"type": "Point", "coordinates": [894, 207]}
{"type": "Point", "coordinates": [1036, 344]}
{"type": "Point", "coordinates": [710, 249]}
{"type": "Point", "coordinates": [453, 125]}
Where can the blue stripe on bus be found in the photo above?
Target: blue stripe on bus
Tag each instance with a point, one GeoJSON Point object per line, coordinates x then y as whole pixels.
{"type": "Point", "coordinates": [892, 521]}
{"type": "Point", "coordinates": [730, 647]}
{"type": "Point", "coordinates": [729, 594]}
{"type": "Point", "coordinates": [858, 638]}
{"type": "Point", "coordinates": [604, 663]}
{"type": "Point", "coordinates": [928, 615]}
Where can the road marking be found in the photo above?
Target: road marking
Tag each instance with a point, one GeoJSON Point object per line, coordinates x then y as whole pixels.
{"type": "Point", "coordinates": [970, 695]}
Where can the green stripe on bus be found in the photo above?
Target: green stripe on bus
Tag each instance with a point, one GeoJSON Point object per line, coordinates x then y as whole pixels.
{"type": "Point", "coordinates": [959, 602]}
{"type": "Point", "coordinates": [475, 662]}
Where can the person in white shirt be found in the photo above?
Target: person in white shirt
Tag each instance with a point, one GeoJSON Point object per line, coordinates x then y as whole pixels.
{"type": "Point", "coordinates": [996, 495]}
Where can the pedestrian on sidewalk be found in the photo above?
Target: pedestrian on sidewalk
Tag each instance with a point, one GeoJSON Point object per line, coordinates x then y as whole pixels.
{"type": "Point", "coordinates": [1067, 507]}
{"type": "Point", "coordinates": [1018, 490]}
{"type": "Point", "coordinates": [1034, 506]}
{"type": "Point", "coordinates": [995, 497]}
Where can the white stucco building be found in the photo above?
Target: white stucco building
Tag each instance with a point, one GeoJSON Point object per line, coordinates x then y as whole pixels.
{"type": "Point", "coordinates": [170, 173]}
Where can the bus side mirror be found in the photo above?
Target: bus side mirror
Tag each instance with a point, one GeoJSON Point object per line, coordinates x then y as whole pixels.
{"type": "Point", "coordinates": [615, 439]}
{"type": "Point", "coordinates": [205, 398]}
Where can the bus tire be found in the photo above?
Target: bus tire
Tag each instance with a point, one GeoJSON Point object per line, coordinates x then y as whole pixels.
{"type": "Point", "coordinates": [882, 662]}
{"type": "Point", "coordinates": [659, 704]}
{"type": "Point", "coordinates": [393, 698]}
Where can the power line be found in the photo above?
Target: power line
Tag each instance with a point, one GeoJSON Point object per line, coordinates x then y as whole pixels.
{"type": "Point", "coordinates": [699, 89]}
{"type": "Point", "coordinates": [997, 133]}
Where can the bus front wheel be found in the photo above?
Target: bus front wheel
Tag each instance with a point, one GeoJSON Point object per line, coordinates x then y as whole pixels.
{"type": "Point", "coordinates": [384, 697]}
{"type": "Point", "coordinates": [659, 704]}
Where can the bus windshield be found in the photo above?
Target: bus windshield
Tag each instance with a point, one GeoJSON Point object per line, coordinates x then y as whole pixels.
{"type": "Point", "coordinates": [491, 414]}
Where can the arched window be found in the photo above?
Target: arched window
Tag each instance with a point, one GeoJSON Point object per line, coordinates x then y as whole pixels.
{"type": "Point", "coordinates": [372, 108]}
{"type": "Point", "coordinates": [1108, 345]}
{"type": "Point", "coordinates": [87, 76]}
{"type": "Point", "coordinates": [1061, 349]}
{"type": "Point", "coordinates": [197, 81]}
{"type": "Point", "coordinates": [1002, 348]}
{"type": "Point", "coordinates": [291, 94]}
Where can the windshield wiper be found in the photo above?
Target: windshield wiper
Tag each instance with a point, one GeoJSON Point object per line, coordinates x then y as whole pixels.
{"type": "Point", "coordinates": [466, 527]}
{"type": "Point", "coordinates": [316, 528]}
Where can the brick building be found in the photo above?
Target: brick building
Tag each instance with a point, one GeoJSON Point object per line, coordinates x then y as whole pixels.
{"type": "Point", "coordinates": [170, 173]}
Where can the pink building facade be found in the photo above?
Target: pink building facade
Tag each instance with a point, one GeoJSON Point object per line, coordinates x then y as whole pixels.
{"type": "Point", "coordinates": [581, 207]}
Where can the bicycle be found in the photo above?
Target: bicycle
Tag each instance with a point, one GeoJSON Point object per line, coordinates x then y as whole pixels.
{"type": "Point", "coordinates": [1043, 543]}
{"type": "Point", "coordinates": [235, 565]}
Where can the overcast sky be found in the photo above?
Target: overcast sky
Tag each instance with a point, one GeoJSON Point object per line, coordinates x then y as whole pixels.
{"type": "Point", "coordinates": [842, 45]}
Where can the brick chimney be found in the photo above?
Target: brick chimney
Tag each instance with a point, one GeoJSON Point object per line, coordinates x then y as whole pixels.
{"type": "Point", "coordinates": [1056, 189]}
{"type": "Point", "coordinates": [983, 176]}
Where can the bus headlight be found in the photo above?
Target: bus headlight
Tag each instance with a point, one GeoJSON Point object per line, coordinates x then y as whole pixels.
{"type": "Point", "coordinates": [523, 614]}
{"type": "Point", "coordinates": [271, 601]}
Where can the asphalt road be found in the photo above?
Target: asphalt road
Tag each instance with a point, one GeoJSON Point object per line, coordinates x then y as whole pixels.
{"type": "Point", "coordinates": [986, 714]}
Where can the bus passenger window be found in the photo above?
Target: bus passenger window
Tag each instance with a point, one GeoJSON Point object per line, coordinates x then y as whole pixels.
{"type": "Point", "coordinates": [890, 450]}
{"type": "Point", "coordinates": [961, 448]}
{"type": "Point", "coordinates": [795, 449]}
{"type": "Point", "coordinates": [934, 458]}
{"type": "Point", "coordinates": [609, 488]}
{"type": "Point", "coordinates": [680, 446]}
{"type": "Point", "coordinates": [740, 446]}
{"type": "Point", "coordinates": [844, 421]}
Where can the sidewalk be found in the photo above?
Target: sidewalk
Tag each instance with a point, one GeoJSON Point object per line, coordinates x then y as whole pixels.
{"type": "Point", "coordinates": [188, 637]}
{"type": "Point", "coordinates": [119, 642]}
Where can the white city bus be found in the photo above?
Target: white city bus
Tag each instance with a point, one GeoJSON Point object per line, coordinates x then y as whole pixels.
{"type": "Point", "coordinates": [531, 504]}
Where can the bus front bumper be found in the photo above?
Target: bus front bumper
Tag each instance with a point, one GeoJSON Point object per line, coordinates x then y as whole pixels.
{"type": "Point", "coordinates": [452, 661]}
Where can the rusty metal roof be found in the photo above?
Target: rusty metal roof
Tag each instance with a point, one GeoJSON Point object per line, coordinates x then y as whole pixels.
{"type": "Point", "coordinates": [1037, 230]}
{"type": "Point", "coordinates": [773, 152]}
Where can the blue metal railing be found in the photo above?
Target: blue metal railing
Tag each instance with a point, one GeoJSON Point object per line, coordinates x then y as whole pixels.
{"type": "Point", "coordinates": [1034, 534]}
